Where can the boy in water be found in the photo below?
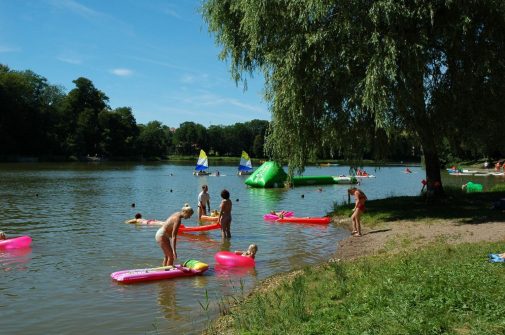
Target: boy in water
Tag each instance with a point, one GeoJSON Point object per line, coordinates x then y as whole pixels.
{"type": "Point", "coordinates": [203, 201]}
{"type": "Point", "coordinates": [225, 214]}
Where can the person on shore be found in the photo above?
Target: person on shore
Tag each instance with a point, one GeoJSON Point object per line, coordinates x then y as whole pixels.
{"type": "Point", "coordinates": [225, 214]}
{"type": "Point", "coordinates": [203, 201]}
{"type": "Point", "coordinates": [359, 208]}
{"type": "Point", "coordinates": [2, 236]}
{"type": "Point", "coordinates": [250, 252]}
{"type": "Point", "coordinates": [166, 236]}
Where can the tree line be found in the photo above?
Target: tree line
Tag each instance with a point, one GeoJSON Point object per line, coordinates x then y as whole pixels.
{"type": "Point", "coordinates": [39, 119]}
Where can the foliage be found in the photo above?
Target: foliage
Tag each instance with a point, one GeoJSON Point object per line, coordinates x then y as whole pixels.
{"type": "Point", "coordinates": [28, 113]}
{"type": "Point", "coordinates": [456, 205]}
{"type": "Point", "coordinates": [153, 140]}
{"type": "Point", "coordinates": [39, 119]}
{"type": "Point", "coordinates": [440, 290]}
{"type": "Point", "coordinates": [349, 75]}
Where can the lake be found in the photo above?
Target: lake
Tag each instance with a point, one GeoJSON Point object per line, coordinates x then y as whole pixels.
{"type": "Point", "coordinates": [75, 213]}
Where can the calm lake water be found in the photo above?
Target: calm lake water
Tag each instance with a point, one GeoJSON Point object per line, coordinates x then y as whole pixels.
{"type": "Point", "coordinates": [75, 214]}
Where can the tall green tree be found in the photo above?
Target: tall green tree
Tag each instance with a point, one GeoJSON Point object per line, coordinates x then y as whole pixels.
{"type": "Point", "coordinates": [153, 140]}
{"type": "Point", "coordinates": [27, 113]}
{"type": "Point", "coordinates": [119, 132]}
{"type": "Point", "coordinates": [345, 72]}
{"type": "Point", "coordinates": [189, 137]}
{"type": "Point", "coordinates": [80, 112]}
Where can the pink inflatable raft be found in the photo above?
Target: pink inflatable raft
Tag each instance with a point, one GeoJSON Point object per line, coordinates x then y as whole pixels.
{"type": "Point", "coordinates": [185, 229]}
{"type": "Point", "coordinates": [188, 268]}
{"type": "Point", "coordinates": [277, 215]}
{"type": "Point", "coordinates": [229, 258]}
{"type": "Point", "coordinates": [313, 220]}
{"type": "Point", "coordinates": [16, 242]}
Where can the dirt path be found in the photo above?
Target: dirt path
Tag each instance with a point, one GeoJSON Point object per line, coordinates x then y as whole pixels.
{"type": "Point", "coordinates": [393, 237]}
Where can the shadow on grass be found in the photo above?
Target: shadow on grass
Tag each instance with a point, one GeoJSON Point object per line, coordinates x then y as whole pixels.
{"type": "Point", "coordinates": [472, 208]}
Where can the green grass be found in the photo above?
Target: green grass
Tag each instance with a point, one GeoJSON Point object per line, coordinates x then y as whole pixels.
{"type": "Point", "coordinates": [470, 208]}
{"type": "Point", "coordinates": [440, 290]}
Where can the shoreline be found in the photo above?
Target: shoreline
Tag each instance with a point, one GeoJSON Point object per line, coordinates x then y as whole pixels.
{"type": "Point", "coordinates": [388, 238]}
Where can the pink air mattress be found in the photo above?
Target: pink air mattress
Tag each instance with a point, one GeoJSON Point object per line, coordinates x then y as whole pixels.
{"type": "Point", "coordinates": [16, 242]}
{"type": "Point", "coordinates": [314, 220]}
{"type": "Point", "coordinates": [271, 217]}
{"type": "Point", "coordinates": [229, 258]}
{"type": "Point", "coordinates": [164, 272]}
{"type": "Point", "coordinates": [184, 229]}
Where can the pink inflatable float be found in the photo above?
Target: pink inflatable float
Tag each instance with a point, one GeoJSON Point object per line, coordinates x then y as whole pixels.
{"type": "Point", "coordinates": [231, 259]}
{"type": "Point", "coordinates": [189, 268]}
{"type": "Point", "coordinates": [277, 215]}
{"type": "Point", "coordinates": [186, 229]}
{"type": "Point", "coordinates": [16, 242]}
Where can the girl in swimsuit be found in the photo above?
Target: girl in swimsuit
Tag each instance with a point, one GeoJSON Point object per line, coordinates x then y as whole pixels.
{"type": "Point", "coordinates": [225, 214]}
{"type": "Point", "coordinates": [250, 252]}
{"type": "Point", "coordinates": [166, 236]}
{"type": "Point", "coordinates": [359, 208]}
{"type": "Point", "coordinates": [138, 219]}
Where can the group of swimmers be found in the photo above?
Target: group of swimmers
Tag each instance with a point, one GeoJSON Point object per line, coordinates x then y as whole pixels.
{"type": "Point", "coordinates": [166, 236]}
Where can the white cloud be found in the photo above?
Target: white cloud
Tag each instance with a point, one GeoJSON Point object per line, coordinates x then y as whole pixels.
{"type": "Point", "coordinates": [122, 72]}
{"type": "Point", "coordinates": [69, 60]}
{"type": "Point", "coordinates": [191, 79]}
{"type": "Point", "coordinates": [75, 7]}
{"type": "Point", "coordinates": [171, 12]}
{"type": "Point", "coordinates": [5, 49]}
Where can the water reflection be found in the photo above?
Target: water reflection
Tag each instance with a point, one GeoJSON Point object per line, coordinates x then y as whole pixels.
{"type": "Point", "coordinates": [224, 272]}
{"type": "Point", "coordinates": [12, 259]}
{"type": "Point", "coordinates": [167, 300]}
{"type": "Point", "coordinates": [172, 295]}
{"type": "Point", "coordinates": [270, 198]}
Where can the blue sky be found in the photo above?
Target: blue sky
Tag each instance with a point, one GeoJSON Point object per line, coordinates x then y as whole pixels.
{"type": "Point", "coordinates": [155, 56]}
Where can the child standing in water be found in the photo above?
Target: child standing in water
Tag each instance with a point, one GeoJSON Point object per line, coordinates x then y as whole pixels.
{"type": "Point", "coordinates": [166, 236]}
{"type": "Point", "coordinates": [225, 214]}
{"type": "Point", "coordinates": [359, 208]}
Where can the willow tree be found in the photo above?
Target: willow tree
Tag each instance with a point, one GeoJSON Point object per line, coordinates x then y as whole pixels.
{"type": "Point", "coordinates": [348, 74]}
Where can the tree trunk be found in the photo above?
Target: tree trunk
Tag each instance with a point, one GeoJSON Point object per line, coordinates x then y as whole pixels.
{"type": "Point", "coordinates": [433, 177]}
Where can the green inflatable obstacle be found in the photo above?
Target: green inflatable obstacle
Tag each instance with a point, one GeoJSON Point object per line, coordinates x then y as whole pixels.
{"type": "Point", "coordinates": [269, 174]}
{"type": "Point", "coordinates": [312, 180]}
{"type": "Point", "coordinates": [472, 187]}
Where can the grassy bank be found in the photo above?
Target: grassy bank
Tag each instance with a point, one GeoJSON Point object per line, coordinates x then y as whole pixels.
{"type": "Point", "coordinates": [456, 205]}
{"type": "Point", "coordinates": [439, 289]}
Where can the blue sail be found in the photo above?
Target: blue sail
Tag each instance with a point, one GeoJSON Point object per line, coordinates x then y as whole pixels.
{"type": "Point", "coordinates": [203, 162]}
{"type": "Point", "coordinates": [245, 162]}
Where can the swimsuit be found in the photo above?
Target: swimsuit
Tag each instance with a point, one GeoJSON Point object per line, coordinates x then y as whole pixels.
{"type": "Point", "coordinates": [225, 220]}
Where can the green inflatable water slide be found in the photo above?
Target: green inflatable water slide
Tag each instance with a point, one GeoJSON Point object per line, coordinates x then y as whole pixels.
{"type": "Point", "coordinates": [271, 174]}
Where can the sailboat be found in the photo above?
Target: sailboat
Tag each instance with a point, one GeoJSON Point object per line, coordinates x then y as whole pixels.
{"type": "Point", "coordinates": [245, 165]}
{"type": "Point", "coordinates": [202, 165]}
